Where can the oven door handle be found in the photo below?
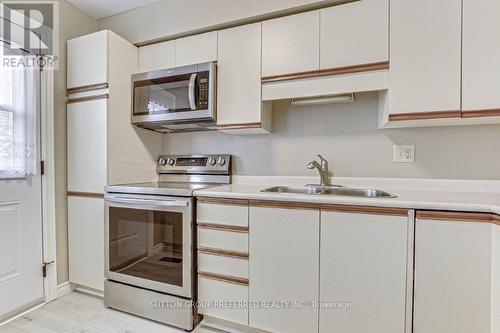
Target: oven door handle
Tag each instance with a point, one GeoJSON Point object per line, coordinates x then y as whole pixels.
{"type": "Point", "coordinates": [149, 202]}
{"type": "Point", "coordinates": [192, 87]}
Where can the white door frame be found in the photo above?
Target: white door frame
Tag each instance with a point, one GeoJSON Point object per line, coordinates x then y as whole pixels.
{"type": "Point", "coordinates": [48, 182]}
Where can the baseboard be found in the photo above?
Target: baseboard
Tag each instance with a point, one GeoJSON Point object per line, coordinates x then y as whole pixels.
{"type": "Point", "coordinates": [222, 326]}
{"type": "Point", "coordinates": [64, 289]}
{"type": "Point", "coordinates": [90, 291]}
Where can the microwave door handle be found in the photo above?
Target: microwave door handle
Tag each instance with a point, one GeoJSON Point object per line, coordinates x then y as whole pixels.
{"type": "Point", "coordinates": [192, 87]}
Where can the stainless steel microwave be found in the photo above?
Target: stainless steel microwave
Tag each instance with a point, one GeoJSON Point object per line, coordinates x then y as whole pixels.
{"type": "Point", "coordinates": [175, 100]}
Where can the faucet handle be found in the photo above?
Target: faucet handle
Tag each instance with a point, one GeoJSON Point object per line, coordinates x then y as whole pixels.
{"type": "Point", "coordinates": [324, 162]}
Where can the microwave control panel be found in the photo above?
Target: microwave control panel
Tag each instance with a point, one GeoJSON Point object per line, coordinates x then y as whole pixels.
{"type": "Point", "coordinates": [203, 89]}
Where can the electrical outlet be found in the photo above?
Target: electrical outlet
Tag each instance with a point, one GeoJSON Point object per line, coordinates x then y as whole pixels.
{"type": "Point", "coordinates": [404, 153]}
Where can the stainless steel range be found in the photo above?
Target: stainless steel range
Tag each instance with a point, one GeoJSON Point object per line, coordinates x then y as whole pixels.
{"type": "Point", "coordinates": [150, 239]}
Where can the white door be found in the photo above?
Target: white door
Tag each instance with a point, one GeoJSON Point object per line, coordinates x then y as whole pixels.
{"type": "Point", "coordinates": [21, 281]}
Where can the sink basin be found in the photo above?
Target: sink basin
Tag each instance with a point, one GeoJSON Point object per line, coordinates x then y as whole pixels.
{"type": "Point", "coordinates": [294, 189]}
{"type": "Point", "coordinates": [358, 192]}
{"type": "Point", "coordinates": [316, 190]}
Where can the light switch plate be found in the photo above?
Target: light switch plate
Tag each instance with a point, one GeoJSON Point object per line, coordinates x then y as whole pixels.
{"type": "Point", "coordinates": [404, 153]}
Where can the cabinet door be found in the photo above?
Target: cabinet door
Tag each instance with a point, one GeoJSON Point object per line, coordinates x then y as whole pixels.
{"type": "Point", "coordinates": [86, 241]}
{"type": "Point", "coordinates": [239, 88]}
{"type": "Point", "coordinates": [425, 53]}
{"type": "Point", "coordinates": [87, 146]}
{"type": "Point", "coordinates": [364, 272]}
{"type": "Point", "coordinates": [284, 267]}
{"type": "Point", "coordinates": [87, 60]}
{"type": "Point", "coordinates": [196, 49]}
{"type": "Point", "coordinates": [290, 44]}
{"type": "Point", "coordinates": [354, 34]}
{"type": "Point", "coordinates": [481, 55]}
{"type": "Point", "coordinates": [157, 56]}
{"type": "Point", "coordinates": [452, 276]}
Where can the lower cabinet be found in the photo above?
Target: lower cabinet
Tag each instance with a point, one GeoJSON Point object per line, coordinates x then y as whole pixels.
{"type": "Point", "coordinates": [363, 275]}
{"type": "Point", "coordinates": [457, 273]}
{"type": "Point", "coordinates": [86, 241]}
{"type": "Point", "coordinates": [284, 269]}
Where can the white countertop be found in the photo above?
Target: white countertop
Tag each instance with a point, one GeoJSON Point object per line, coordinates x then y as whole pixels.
{"type": "Point", "coordinates": [469, 198]}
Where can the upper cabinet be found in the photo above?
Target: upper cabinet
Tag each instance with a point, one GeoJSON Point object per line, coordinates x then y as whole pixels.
{"type": "Point", "coordinates": [425, 53]}
{"type": "Point", "coordinates": [196, 49]}
{"type": "Point", "coordinates": [157, 56]}
{"type": "Point", "coordinates": [290, 44]}
{"type": "Point", "coordinates": [87, 60]}
{"type": "Point", "coordinates": [239, 102]}
{"type": "Point", "coordinates": [354, 34]}
{"type": "Point", "coordinates": [481, 58]}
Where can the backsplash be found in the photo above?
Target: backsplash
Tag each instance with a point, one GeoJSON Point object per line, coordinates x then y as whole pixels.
{"type": "Point", "coordinates": [348, 136]}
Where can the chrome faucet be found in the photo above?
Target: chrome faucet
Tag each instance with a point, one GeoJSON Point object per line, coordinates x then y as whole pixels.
{"type": "Point", "coordinates": [322, 167]}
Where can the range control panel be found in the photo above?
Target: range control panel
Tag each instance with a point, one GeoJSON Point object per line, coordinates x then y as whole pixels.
{"type": "Point", "coordinates": [194, 164]}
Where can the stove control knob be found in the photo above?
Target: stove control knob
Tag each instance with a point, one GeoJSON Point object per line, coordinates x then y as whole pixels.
{"type": "Point", "coordinates": [162, 161]}
{"type": "Point", "coordinates": [221, 161]}
{"type": "Point", "coordinates": [211, 161]}
{"type": "Point", "coordinates": [170, 161]}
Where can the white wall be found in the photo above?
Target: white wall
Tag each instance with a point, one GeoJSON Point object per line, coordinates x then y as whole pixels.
{"type": "Point", "coordinates": [347, 135]}
{"type": "Point", "coordinates": [169, 18]}
{"type": "Point", "coordinates": [72, 23]}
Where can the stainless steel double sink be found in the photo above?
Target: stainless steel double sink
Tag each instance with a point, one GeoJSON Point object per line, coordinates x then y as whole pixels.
{"type": "Point", "coordinates": [330, 190]}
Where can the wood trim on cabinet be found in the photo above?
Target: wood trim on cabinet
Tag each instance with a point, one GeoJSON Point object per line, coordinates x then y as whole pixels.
{"type": "Point", "coordinates": [284, 204]}
{"type": "Point", "coordinates": [458, 216]}
{"type": "Point", "coordinates": [86, 98]}
{"type": "Point", "coordinates": [365, 210]}
{"type": "Point", "coordinates": [480, 113]}
{"type": "Point", "coordinates": [239, 126]}
{"type": "Point", "coordinates": [85, 194]}
{"type": "Point", "coordinates": [223, 253]}
{"type": "Point", "coordinates": [224, 278]}
{"type": "Point", "coordinates": [223, 227]}
{"type": "Point", "coordinates": [327, 72]}
{"type": "Point", "coordinates": [425, 115]}
{"type": "Point", "coordinates": [223, 201]}
{"type": "Point", "coordinates": [90, 87]}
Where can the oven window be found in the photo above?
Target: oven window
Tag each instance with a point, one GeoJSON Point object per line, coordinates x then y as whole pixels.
{"type": "Point", "coordinates": [146, 244]}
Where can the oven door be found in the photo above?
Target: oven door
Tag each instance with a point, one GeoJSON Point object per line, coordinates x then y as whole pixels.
{"type": "Point", "coordinates": [149, 242]}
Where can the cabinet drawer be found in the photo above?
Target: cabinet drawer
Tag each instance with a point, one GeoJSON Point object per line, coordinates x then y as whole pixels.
{"type": "Point", "coordinates": [224, 240]}
{"type": "Point", "coordinates": [223, 265]}
{"type": "Point", "coordinates": [226, 214]}
{"type": "Point", "coordinates": [212, 291]}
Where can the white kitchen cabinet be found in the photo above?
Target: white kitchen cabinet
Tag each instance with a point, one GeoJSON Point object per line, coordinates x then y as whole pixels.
{"type": "Point", "coordinates": [363, 267]}
{"type": "Point", "coordinates": [456, 273]}
{"type": "Point", "coordinates": [196, 49]}
{"type": "Point", "coordinates": [284, 266]}
{"type": "Point", "coordinates": [157, 56]}
{"type": "Point", "coordinates": [87, 60]}
{"type": "Point", "coordinates": [223, 258]}
{"type": "Point", "coordinates": [103, 146]}
{"type": "Point", "coordinates": [239, 100]}
{"type": "Point", "coordinates": [481, 57]}
{"type": "Point", "coordinates": [290, 44]}
{"type": "Point", "coordinates": [353, 34]}
{"type": "Point", "coordinates": [86, 239]}
{"type": "Point", "coordinates": [87, 153]}
{"type": "Point", "coordinates": [425, 55]}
